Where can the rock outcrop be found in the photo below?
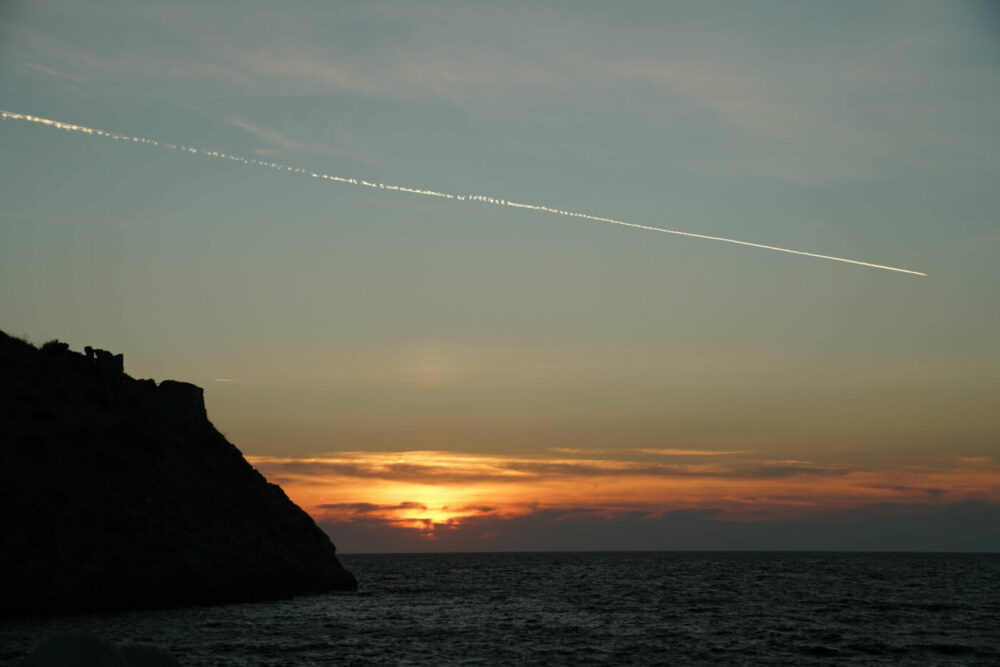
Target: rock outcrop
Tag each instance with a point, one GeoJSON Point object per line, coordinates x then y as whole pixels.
{"type": "Point", "coordinates": [119, 493]}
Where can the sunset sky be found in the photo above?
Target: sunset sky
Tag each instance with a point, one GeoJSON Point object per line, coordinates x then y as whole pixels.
{"type": "Point", "coordinates": [424, 374]}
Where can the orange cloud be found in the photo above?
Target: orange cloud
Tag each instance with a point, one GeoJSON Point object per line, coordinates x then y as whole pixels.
{"type": "Point", "coordinates": [432, 492]}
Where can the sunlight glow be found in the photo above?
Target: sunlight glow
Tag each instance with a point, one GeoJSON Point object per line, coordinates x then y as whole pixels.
{"type": "Point", "coordinates": [429, 491]}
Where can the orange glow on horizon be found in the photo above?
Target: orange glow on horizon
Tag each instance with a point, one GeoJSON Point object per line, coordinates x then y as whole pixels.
{"type": "Point", "coordinates": [431, 491]}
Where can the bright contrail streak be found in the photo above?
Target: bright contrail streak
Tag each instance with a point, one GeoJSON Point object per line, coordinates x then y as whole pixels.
{"type": "Point", "coordinates": [429, 193]}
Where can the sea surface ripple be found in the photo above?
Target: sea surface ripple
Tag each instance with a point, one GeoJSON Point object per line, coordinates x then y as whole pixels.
{"type": "Point", "coordinates": [648, 608]}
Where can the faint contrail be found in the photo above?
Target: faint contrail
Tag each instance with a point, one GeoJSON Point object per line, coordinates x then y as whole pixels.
{"type": "Point", "coordinates": [430, 193]}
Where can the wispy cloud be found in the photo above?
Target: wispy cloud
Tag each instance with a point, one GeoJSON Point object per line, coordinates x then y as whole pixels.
{"type": "Point", "coordinates": [928, 526]}
{"type": "Point", "coordinates": [269, 136]}
{"type": "Point", "coordinates": [739, 98]}
{"type": "Point", "coordinates": [64, 76]}
{"type": "Point", "coordinates": [859, 116]}
{"type": "Point", "coordinates": [649, 452]}
{"type": "Point", "coordinates": [315, 70]}
{"type": "Point", "coordinates": [432, 467]}
{"type": "Point", "coordinates": [430, 491]}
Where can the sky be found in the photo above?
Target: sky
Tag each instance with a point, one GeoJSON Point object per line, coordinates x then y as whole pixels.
{"type": "Point", "coordinates": [431, 374]}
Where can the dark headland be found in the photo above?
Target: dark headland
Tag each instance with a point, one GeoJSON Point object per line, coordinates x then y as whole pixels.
{"type": "Point", "coordinates": [119, 493]}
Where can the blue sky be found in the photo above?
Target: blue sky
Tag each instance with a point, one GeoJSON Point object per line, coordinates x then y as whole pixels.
{"type": "Point", "coordinates": [353, 320]}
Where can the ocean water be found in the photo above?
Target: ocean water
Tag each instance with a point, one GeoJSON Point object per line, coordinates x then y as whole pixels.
{"type": "Point", "coordinates": [590, 608]}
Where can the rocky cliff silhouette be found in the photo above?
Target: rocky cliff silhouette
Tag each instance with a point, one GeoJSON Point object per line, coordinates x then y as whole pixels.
{"type": "Point", "coordinates": [119, 493]}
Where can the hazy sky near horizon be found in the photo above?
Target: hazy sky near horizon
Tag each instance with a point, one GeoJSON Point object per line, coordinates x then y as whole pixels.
{"type": "Point", "coordinates": [371, 322]}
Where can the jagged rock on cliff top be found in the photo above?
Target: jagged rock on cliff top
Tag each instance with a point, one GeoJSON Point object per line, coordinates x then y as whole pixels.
{"type": "Point", "coordinates": [119, 493]}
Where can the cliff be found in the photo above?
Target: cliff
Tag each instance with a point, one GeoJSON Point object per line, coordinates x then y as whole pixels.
{"type": "Point", "coordinates": [119, 493]}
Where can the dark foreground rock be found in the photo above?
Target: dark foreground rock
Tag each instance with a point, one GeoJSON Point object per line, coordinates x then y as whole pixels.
{"type": "Point", "coordinates": [119, 493]}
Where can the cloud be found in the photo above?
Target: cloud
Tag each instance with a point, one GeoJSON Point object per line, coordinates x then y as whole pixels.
{"type": "Point", "coordinates": [318, 70]}
{"type": "Point", "coordinates": [650, 452]}
{"type": "Point", "coordinates": [436, 493]}
{"type": "Point", "coordinates": [450, 468]}
{"type": "Point", "coordinates": [692, 452]}
{"type": "Point", "coordinates": [968, 526]}
{"type": "Point", "coordinates": [269, 136]}
{"type": "Point", "coordinates": [740, 99]}
{"type": "Point", "coordinates": [863, 113]}
{"type": "Point", "coordinates": [371, 508]}
{"type": "Point", "coordinates": [64, 76]}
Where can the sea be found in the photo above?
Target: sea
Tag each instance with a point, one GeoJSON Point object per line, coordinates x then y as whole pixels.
{"type": "Point", "coordinates": [613, 608]}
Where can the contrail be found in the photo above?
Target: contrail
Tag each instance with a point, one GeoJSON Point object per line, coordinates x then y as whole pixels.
{"type": "Point", "coordinates": [69, 127]}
